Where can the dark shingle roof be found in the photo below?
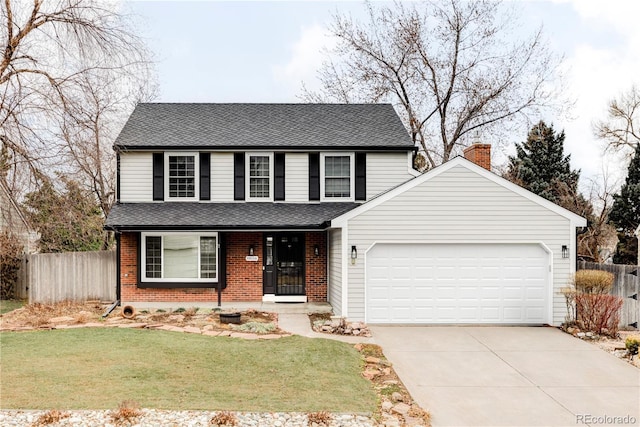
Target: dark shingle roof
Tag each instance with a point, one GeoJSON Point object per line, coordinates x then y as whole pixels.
{"type": "Point", "coordinates": [223, 216]}
{"type": "Point", "coordinates": [240, 126]}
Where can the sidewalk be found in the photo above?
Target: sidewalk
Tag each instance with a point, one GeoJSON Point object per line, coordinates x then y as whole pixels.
{"type": "Point", "coordinates": [299, 324]}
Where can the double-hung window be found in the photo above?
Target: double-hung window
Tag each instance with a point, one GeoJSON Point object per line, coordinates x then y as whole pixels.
{"type": "Point", "coordinates": [259, 176]}
{"type": "Point", "coordinates": [336, 176]}
{"type": "Point", "coordinates": [179, 257]}
{"type": "Point", "coordinates": [181, 172]}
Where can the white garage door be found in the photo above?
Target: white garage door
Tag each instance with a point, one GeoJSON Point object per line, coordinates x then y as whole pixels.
{"type": "Point", "coordinates": [457, 283]}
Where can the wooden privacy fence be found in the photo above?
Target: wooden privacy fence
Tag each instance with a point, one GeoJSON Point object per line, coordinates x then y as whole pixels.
{"type": "Point", "coordinates": [76, 276]}
{"type": "Point", "coordinates": [626, 285]}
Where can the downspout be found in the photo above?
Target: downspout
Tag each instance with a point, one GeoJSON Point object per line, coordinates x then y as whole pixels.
{"type": "Point", "coordinates": [116, 303]}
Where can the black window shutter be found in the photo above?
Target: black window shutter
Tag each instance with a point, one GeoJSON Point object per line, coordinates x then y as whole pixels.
{"type": "Point", "coordinates": [158, 176]}
{"type": "Point", "coordinates": [118, 177]}
{"type": "Point", "coordinates": [361, 176]}
{"type": "Point", "coordinates": [314, 176]}
{"type": "Point", "coordinates": [278, 168]}
{"type": "Point", "coordinates": [205, 176]}
{"type": "Point", "coordinates": [238, 176]}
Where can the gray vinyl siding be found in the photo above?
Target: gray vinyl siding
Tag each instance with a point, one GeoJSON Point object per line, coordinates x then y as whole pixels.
{"type": "Point", "coordinates": [459, 206]}
{"type": "Point", "coordinates": [296, 177]}
{"type": "Point", "coordinates": [335, 271]}
{"type": "Point", "coordinates": [221, 177]}
{"type": "Point", "coordinates": [386, 170]}
{"type": "Point", "coordinates": [136, 179]}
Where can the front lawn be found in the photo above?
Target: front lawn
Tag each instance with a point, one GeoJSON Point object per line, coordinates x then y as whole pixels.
{"type": "Point", "coordinates": [98, 368]}
{"type": "Point", "coordinates": [7, 305]}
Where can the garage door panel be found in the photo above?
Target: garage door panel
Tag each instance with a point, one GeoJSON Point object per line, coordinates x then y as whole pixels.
{"type": "Point", "coordinates": [491, 283]}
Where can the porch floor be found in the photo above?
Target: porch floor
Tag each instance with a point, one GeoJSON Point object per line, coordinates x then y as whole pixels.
{"type": "Point", "coordinates": [274, 307]}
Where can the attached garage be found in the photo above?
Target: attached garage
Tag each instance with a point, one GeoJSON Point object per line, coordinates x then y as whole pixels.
{"type": "Point", "coordinates": [457, 283]}
{"type": "Point", "coordinates": [456, 245]}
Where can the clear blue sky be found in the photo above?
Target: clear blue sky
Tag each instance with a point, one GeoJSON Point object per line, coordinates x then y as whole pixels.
{"type": "Point", "coordinates": [260, 51]}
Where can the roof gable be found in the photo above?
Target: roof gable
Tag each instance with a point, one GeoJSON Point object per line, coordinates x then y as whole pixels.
{"type": "Point", "coordinates": [243, 126]}
{"type": "Point", "coordinates": [576, 220]}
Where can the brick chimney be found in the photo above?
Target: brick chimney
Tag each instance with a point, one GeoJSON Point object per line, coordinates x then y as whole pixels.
{"type": "Point", "coordinates": [480, 154]}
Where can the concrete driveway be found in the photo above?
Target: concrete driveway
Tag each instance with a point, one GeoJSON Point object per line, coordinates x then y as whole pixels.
{"type": "Point", "coordinates": [511, 376]}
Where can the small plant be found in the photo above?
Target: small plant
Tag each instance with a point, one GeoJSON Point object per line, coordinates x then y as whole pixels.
{"type": "Point", "coordinates": [389, 389]}
{"type": "Point", "coordinates": [598, 313]}
{"type": "Point", "coordinates": [322, 418]}
{"type": "Point", "coordinates": [255, 327]}
{"type": "Point", "coordinates": [372, 350]}
{"type": "Point", "coordinates": [179, 310]}
{"type": "Point", "coordinates": [224, 419]}
{"type": "Point", "coordinates": [50, 417]}
{"type": "Point", "coordinates": [632, 344]}
{"type": "Point", "coordinates": [593, 281]}
{"type": "Point", "coordinates": [161, 311]}
{"type": "Point", "coordinates": [144, 312]}
{"type": "Point", "coordinates": [191, 311]}
{"type": "Point", "coordinates": [128, 411]}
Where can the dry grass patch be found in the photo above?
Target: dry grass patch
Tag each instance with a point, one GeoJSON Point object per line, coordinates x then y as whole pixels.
{"type": "Point", "coordinates": [39, 315]}
{"type": "Point", "coordinates": [128, 412]}
{"type": "Point", "coordinates": [224, 419]}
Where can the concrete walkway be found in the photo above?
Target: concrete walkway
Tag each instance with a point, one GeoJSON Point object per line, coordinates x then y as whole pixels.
{"type": "Point", "coordinates": [511, 376]}
{"type": "Point", "coordinates": [299, 324]}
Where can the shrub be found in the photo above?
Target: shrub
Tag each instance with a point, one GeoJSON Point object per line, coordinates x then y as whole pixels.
{"type": "Point", "coordinates": [127, 412]}
{"type": "Point", "coordinates": [598, 313]}
{"type": "Point", "coordinates": [224, 419]}
{"type": "Point", "coordinates": [10, 252]}
{"type": "Point", "coordinates": [593, 281]}
{"type": "Point", "coordinates": [322, 418]}
{"type": "Point", "coordinates": [632, 344]}
{"type": "Point", "coordinates": [255, 327]}
{"type": "Point", "coordinates": [50, 417]}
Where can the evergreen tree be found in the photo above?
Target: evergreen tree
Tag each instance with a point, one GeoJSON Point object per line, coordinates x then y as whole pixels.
{"type": "Point", "coordinates": [625, 213]}
{"type": "Point", "coordinates": [68, 220]}
{"type": "Point", "coordinates": [541, 167]}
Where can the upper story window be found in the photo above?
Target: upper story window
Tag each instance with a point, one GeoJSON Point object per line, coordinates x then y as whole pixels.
{"type": "Point", "coordinates": [336, 180]}
{"type": "Point", "coordinates": [260, 176]}
{"type": "Point", "coordinates": [181, 172]}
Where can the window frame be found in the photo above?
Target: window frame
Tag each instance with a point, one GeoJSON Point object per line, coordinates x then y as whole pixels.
{"type": "Point", "coordinates": [247, 174]}
{"type": "Point", "coordinates": [196, 176]}
{"type": "Point", "coordinates": [352, 180]}
{"type": "Point", "coordinates": [143, 257]}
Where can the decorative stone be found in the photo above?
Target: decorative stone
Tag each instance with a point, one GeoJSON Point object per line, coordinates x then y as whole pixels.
{"type": "Point", "coordinates": [397, 397]}
{"type": "Point", "coordinates": [371, 359]}
{"type": "Point", "coordinates": [192, 330]}
{"type": "Point", "coordinates": [581, 335]}
{"type": "Point", "coordinates": [386, 406]}
{"type": "Point", "coordinates": [370, 374]}
{"type": "Point", "coordinates": [401, 408]}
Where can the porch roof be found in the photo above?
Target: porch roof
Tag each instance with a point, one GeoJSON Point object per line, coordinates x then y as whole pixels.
{"type": "Point", "coordinates": [223, 216]}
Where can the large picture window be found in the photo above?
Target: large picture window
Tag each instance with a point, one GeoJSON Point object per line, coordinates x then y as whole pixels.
{"type": "Point", "coordinates": [337, 179]}
{"type": "Point", "coordinates": [180, 257]}
{"type": "Point", "coordinates": [181, 172]}
{"type": "Point", "coordinates": [259, 171]}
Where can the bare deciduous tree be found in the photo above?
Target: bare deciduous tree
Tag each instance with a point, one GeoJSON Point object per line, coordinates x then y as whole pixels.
{"type": "Point", "coordinates": [450, 69]}
{"type": "Point", "coordinates": [599, 239]}
{"type": "Point", "coordinates": [70, 71]}
{"type": "Point", "coordinates": [621, 129]}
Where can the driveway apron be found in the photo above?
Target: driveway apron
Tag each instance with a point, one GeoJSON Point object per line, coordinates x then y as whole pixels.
{"type": "Point", "coordinates": [511, 376]}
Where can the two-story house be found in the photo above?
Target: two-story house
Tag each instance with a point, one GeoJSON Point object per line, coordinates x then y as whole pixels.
{"type": "Point", "coordinates": [320, 202]}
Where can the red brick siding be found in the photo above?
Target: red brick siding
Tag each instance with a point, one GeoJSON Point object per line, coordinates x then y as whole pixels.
{"type": "Point", "coordinates": [480, 154]}
{"type": "Point", "coordinates": [244, 278]}
{"type": "Point", "coordinates": [316, 266]}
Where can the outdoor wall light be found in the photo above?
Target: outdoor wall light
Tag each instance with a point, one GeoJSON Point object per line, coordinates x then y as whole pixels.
{"type": "Point", "coordinates": [565, 251]}
{"type": "Point", "coordinates": [354, 254]}
{"type": "Point", "coordinates": [316, 250]}
{"type": "Point", "coordinates": [251, 250]}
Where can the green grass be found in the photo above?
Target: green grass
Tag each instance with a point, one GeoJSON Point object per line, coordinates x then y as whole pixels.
{"type": "Point", "coordinates": [99, 368]}
{"type": "Point", "coordinates": [10, 305]}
